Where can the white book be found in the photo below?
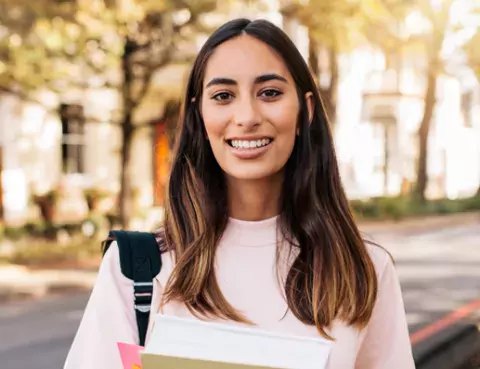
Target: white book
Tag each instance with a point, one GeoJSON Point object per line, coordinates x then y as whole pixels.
{"type": "Point", "coordinates": [178, 343]}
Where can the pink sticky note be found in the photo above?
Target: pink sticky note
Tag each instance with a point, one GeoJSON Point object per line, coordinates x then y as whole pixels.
{"type": "Point", "coordinates": [130, 355]}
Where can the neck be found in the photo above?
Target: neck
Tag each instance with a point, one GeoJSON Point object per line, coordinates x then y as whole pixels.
{"type": "Point", "coordinates": [254, 200]}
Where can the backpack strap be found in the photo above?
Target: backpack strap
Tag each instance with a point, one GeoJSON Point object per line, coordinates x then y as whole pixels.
{"type": "Point", "coordinates": [140, 261]}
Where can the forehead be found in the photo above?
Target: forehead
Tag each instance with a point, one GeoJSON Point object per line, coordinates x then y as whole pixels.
{"type": "Point", "coordinates": [244, 58]}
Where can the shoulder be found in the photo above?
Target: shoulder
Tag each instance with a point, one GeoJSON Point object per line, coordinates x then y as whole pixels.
{"type": "Point", "coordinates": [381, 258]}
{"type": "Point", "coordinates": [111, 263]}
{"type": "Point", "coordinates": [110, 267]}
{"type": "Point", "coordinates": [389, 289]}
{"type": "Point", "coordinates": [384, 342]}
{"type": "Point", "coordinates": [108, 318]}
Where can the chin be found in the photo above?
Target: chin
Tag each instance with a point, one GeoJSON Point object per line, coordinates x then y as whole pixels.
{"type": "Point", "coordinates": [250, 174]}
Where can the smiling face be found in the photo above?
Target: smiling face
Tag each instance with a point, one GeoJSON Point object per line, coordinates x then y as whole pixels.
{"type": "Point", "coordinates": [250, 109]}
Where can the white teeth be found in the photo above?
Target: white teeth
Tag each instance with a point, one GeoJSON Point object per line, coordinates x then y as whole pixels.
{"type": "Point", "coordinates": [243, 144]}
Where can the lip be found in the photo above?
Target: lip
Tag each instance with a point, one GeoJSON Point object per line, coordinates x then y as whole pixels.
{"type": "Point", "coordinates": [248, 138]}
{"type": "Point", "coordinates": [249, 154]}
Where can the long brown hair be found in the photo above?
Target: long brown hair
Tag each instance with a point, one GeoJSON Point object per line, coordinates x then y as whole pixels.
{"type": "Point", "coordinates": [332, 276]}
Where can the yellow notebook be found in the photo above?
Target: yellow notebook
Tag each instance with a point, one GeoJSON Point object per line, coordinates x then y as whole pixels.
{"type": "Point", "coordinates": [178, 343]}
{"type": "Point", "coordinates": [152, 361]}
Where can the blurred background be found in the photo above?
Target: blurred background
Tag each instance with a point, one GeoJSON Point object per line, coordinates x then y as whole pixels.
{"type": "Point", "coordinates": [90, 93]}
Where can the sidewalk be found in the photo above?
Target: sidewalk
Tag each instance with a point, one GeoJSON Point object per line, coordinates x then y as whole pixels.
{"type": "Point", "coordinates": [18, 282]}
{"type": "Point", "coordinates": [416, 224]}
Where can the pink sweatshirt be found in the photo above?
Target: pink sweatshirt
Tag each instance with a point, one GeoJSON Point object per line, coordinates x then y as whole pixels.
{"type": "Point", "coordinates": [246, 273]}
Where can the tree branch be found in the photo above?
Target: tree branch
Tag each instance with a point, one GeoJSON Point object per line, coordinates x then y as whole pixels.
{"type": "Point", "coordinates": [147, 78]}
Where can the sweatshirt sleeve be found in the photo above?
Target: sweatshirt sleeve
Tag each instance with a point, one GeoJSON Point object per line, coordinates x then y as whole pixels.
{"type": "Point", "coordinates": [108, 318]}
{"type": "Point", "coordinates": [386, 342]}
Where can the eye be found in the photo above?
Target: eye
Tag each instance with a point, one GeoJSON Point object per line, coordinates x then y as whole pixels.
{"type": "Point", "coordinates": [222, 96]}
{"type": "Point", "coordinates": [270, 93]}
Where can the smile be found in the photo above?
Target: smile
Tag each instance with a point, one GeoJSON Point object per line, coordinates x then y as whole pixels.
{"type": "Point", "coordinates": [249, 144]}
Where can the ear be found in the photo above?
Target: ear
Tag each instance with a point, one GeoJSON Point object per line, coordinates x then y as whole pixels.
{"type": "Point", "coordinates": [310, 108]}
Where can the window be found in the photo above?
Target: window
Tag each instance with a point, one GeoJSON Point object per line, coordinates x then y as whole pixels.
{"type": "Point", "coordinates": [73, 138]}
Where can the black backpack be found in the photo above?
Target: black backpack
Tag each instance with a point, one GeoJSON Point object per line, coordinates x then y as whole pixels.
{"type": "Point", "coordinates": [140, 261]}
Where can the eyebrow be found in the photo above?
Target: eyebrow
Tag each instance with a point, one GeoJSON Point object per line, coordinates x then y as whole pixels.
{"type": "Point", "coordinates": [260, 79]}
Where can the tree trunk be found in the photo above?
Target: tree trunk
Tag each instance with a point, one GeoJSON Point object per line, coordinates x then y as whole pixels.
{"type": "Point", "coordinates": [327, 93]}
{"type": "Point", "coordinates": [330, 92]}
{"type": "Point", "coordinates": [125, 198]}
{"type": "Point", "coordinates": [434, 48]}
{"type": "Point", "coordinates": [313, 57]}
{"type": "Point", "coordinates": [423, 133]}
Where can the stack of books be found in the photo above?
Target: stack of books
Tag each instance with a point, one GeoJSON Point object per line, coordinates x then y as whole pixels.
{"type": "Point", "coordinates": [178, 343]}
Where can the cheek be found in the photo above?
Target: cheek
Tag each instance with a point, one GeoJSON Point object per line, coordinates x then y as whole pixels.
{"type": "Point", "coordinates": [284, 117]}
{"type": "Point", "coordinates": [215, 121]}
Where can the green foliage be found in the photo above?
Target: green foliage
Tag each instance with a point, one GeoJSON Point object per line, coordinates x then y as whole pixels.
{"type": "Point", "coordinates": [471, 204]}
{"type": "Point", "coordinates": [381, 208]}
{"type": "Point", "coordinates": [343, 24]}
{"type": "Point", "coordinates": [69, 44]}
{"type": "Point", "coordinates": [326, 19]}
{"type": "Point", "coordinates": [13, 233]}
{"type": "Point", "coordinates": [45, 253]}
{"type": "Point", "coordinates": [95, 194]}
{"type": "Point", "coordinates": [396, 208]}
{"type": "Point", "coordinates": [33, 41]}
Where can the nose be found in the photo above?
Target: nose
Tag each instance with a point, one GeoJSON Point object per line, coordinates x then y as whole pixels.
{"type": "Point", "coordinates": [246, 113]}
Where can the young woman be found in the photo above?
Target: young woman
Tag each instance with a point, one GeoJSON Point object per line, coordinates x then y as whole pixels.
{"type": "Point", "coordinates": [258, 230]}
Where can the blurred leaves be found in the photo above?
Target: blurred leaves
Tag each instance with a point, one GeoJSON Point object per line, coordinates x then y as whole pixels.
{"type": "Point", "coordinates": [30, 38]}
{"type": "Point", "coordinates": [336, 26]}
{"type": "Point", "coordinates": [61, 44]}
{"type": "Point", "coordinates": [327, 20]}
{"type": "Point", "coordinates": [344, 24]}
{"type": "Point", "coordinates": [77, 253]}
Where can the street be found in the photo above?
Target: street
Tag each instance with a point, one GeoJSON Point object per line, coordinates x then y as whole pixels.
{"type": "Point", "coordinates": [37, 334]}
{"type": "Point", "coordinates": [439, 272]}
{"type": "Point", "coordinates": [439, 269]}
